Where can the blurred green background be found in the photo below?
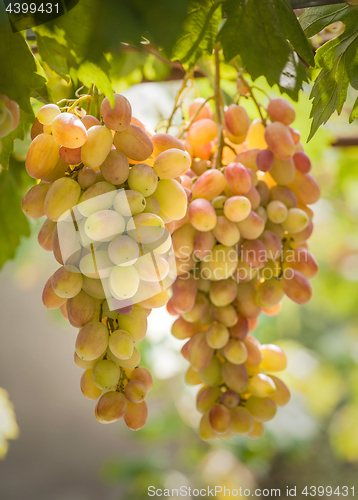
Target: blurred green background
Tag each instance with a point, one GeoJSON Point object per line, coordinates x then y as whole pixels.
{"type": "Point", "coordinates": [62, 453]}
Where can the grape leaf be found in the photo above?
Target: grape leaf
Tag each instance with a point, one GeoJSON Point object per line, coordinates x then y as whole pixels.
{"type": "Point", "coordinates": [258, 30]}
{"type": "Point", "coordinates": [14, 223]}
{"type": "Point", "coordinates": [354, 113]}
{"type": "Point", "coordinates": [89, 73]}
{"type": "Point", "coordinates": [19, 75]}
{"type": "Point", "coordinates": [315, 19]}
{"type": "Point", "coordinates": [8, 141]}
{"type": "Point", "coordinates": [338, 62]}
{"type": "Point", "coordinates": [199, 32]}
{"type": "Point", "coordinates": [56, 55]}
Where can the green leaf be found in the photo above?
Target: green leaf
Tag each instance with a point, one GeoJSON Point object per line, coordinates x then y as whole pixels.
{"type": "Point", "coordinates": [257, 30]}
{"type": "Point", "coordinates": [56, 55]}
{"type": "Point", "coordinates": [199, 32]}
{"type": "Point", "coordinates": [19, 76]}
{"type": "Point", "coordinates": [315, 19]}
{"type": "Point", "coordinates": [354, 113]}
{"type": "Point", "coordinates": [338, 62]}
{"type": "Point", "coordinates": [8, 141]}
{"type": "Point", "coordinates": [89, 73]}
{"type": "Point", "coordinates": [14, 223]}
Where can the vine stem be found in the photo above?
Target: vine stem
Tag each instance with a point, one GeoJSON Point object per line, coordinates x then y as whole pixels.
{"type": "Point", "coordinates": [251, 91]}
{"type": "Point", "coordinates": [80, 100]}
{"type": "Point", "coordinates": [219, 109]}
{"type": "Point", "coordinates": [187, 77]}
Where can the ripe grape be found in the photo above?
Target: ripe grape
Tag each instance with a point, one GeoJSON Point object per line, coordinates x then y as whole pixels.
{"type": "Point", "coordinates": [217, 336]}
{"type": "Point", "coordinates": [205, 110]}
{"type": "Point", "coordinates": [219, 418]}
{"type": "Point", "coordinates": [274, 359]}
{"type": "Point", "coordinates": [235, 352]}
{"type": "Point", "coordinates": [65, 283]}
{"type": "Point", "coordinates": [86, 177]}
{"type": "Point", "coordinates": [172, 198]}
{"type": "Point", "coordinates": [172, 163]}
{"type": "Point", "coordinates": [237, 208]}
{"type": "Point", "coordinates": [62, 195]}
{"type": "Point", "coordinates": [118, 117]}
{"type": "Point", "coordinates": [209, 185]}
{"type": "Point", "coordinates": [111, 407]}
{"type": "Point", "coordinates": [48, 113]}
{"type": "Point", "coordinates": [235, 377]}
{"type": "Point", "coordinates": [261, 408]}
{"type": "Point", "coordinates": [252, 227]}
{"type": "Point", "coordinates": [283, 171]}
{"type": "Point", "coordinates": [49, 298]}
{"type": "Point", "coordinates": [88, 387]}
{"type": "Point", "coordinates": [296, 221]}
{"type": "Point", "coordinates": [202, 131]}
{"type": "Point", "coordinates": [135, 323]}
{"type": "Point", "coordinates": [82, 309]}
{"type": "Point", "coordinates": [33, 202]}
{"type": "Point", "coordinates": [42, 156]}
{"type": "Point", "coordinates": [281, 111]}
{"type": "Point", "coordinates": [237, 120]}
{"type": "Point", "coordinates": [45, 234]}
{"type": "Point", "coordinates": [202, 215]}
{"type": "Point", "coordinates": [124, 282]}
{"type": "Point", "coordinates": [282, 395]}
{"type": "Point", "coordinates": [238, 178]}
{"type": "Point", "coordinates": [241, 422]}
{"type": "Point", "coordinates": [134, 143]}
{"type": "Point", "coordinates": [302, 162]}
{"type": "Point", "coordinates": [279, 140]}
{"type": "Point", "coordinates": [105, 375]}
{"type": "Point", "coordinates": [136, 415]}
{"type": "Point", "coordinates": [69, 131]}
{"type": "Point", "coordinates": [163, 142]}
{"type": "Point", "coordinates": [92, 341]}
{"type": "Point", "coordinates": [97, 147]}
{"type": "Point", "coordinates": [98, 197]}
{"type": "Point", "coordinates": [90, 121]}
{"type": "Point", "coordinates": [143, 178]}
{"type": "Point", "coordinates": [223, 292]}
{"type": "Point", "coordinates": [104, 225]}
{"type": "Point", "coordinates": [143, 375]}
{"type": "Point", "coordinates": [135, 391]}
{"type": "Point", "coordinates": [226, 231]}
{"type": "Point", "coordinates": [115, 168]}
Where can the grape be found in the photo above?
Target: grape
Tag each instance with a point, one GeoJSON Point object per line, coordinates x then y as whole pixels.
{"type": "Point", "coordinates": [130, 363]}
{"type": "Point", "coordinates": [6, 126]}
{"type": "Point", "coordinates": [172, 198]}
{"type": "Point", "coordinates": [226, 315]}
{"type": "Point", "coordinates": [111, 407]}
{"type": "Point", "coordinates": [134, 143]}
{"type": "Point", "coordinates": [235, 377]}
{"type": "Point", "coordinates": [182, 329]}
{"type": "Point", "coordinates": [94, 287]}
{"type": "Point", "coordinates": [246, 300]}
{"type": "Point", "coordinates": [230, 399]}
{"type": "Point", "coordinates": [306, 188]}
{"type": "Point", "coordinates": [282, 395]}
{"type": "Point", "coordinates": [296, 221]}
{"type": "Point", "coordinates": [70, 156]}
{"type": "Point", "coordinates": [69, 131]}
{"type": "Point", "coordinates": [206, 398]}
{"type": "Point", "coordinates": [202, 131]}
{"type": "Point", "coordinates": [273, 358]}
{"type": "Point", "coordinates": [183, 241]}
{"type": "Point", "coordinates": [129, 203]}
{"type": "Point", "coordinates": [279, 140]}
{"type": "Point", "coordinates": [222, 264]}
{"type": "Point", "coordinates": [85, 365]}
{"type": "Point", "coordinates": [195, 105]}
{"type": "Point", "coordinates": [98, 197]}
{"type": "Point", "coordinates": [143, 375]}
{"type": "Point", "coordinates": [203, 244]}
{"type": "Point", "coordinates": [119, 116]}
{"type": "Point", "coordinates": [65, 283]}
{"type": "Point", "coordinates": [254, 356]}
{"type": "Point", "coordinates": [257, 430]}
{"type": "Point", "coordinates": [104, 225]}
{"type": "Point", "coordinates": [151, 205]}
{"type": "Point", "coordinates": [252, 227]}
{"type": "Point", "coordinates": [281, 111]}
{"type": "Point", "coordinates": [123, 251]}
{"type": "Point", "coordinates": [96, 265]}
{"type": "Point", "coordinates": [241, 422]}
{"type": "Point", "coordinates": [62, 195]}
{"type": "Point", "coordinates": [200, 309]}
{"type": "Point", "coordinates": [219, 418]}
{"type": "Point", "coordinates": [135, 323]}
{"type": "Point", "coordinates": [90, 121]}
{"type": "Point", "coordinates": [254, 253]}
{"type": "Point", "coordinates": [88, 387]}
{"type": "Point", "coordinates": [262, 409]}
{"type": "Point", "coordinates": [238, 178]}
{"type": "Point", "coordinates": [211, 375]}
{"type": "Point", "coordinates": [42, 156]}
{"type": "Point", "coordinates": [235, 352]}
{"type": "Point", "coordinates": [237, 208]}
{"type": "Point", "coordinates": [209, 185]}
{"type": "Point", "coordinates": [240, 329]}
{"type": "Point", "coordinates": [97, 147]}
{"type": "Point", "coordinates": [226, 231]}
{"type": "Point", "coordinates": [223, 292]}
{"type": "Point", "coordinates": [155, 301]}
{"type": "Point", "coordinates": [105, 375]}
{"type": "Point", "coordinates": [82, 309]}
{"type": "Point", "coordinates": [172, 163]}
{"type": "Point", "coordinates": [163, 142]}
{"type": "Point", "coordinates": [115, 168]}
{"type": "Point", "coordinates": [36, 129]}
{"type": "Point", "coordinates": [302, 260]}
{"type": "Point", "coordinates": [146, 229]}
{"type": "Point", "coordinates": [202, 215]}
{"type": "Point", "coordinates": [296, 286]}
{"type": "Point", "coordinates": [33, 202]}
{"type": "Point", "coordinates": [45, 234]}
{"type": "Point", "coordinates": [92, 341]}
{"type": "Point", "coordinates": [265, 160]}
{"type": "Point", "coordinates": [206, 432]}
{"type": "Point", "coordinates": [49, 298]}
{"type": "Point", "coordinates": [200, 353]}
{"type": "Point", "coordinates": [276, 211]}
{"type": "Point", "coordinates": [136, 415]}
{"type": "Point", "coordinates": [283, 171]}
{"type": "Point", "coordinates": [135, 391]}
{"type": "Point", "coordinates": [124, 282]}
{"type": "Point", "coordinates": [261, 385]}
{"type": "Point", "coordinates": [302, 162]}
{"type": "Point", "coordinates": [86, 177]}
{"type": "Point", "coordinates": [269, 293]}
{"type": "Point", "coordinates": [143, 178]}
{"type": "Point", "coordinates": [284, 195]}
{"type": "Point", "coordinates": [48, 113]}
{"type": "Point", "coordinates": [217, 336]}
{"type": "Point", "coordinates": [237, 120]}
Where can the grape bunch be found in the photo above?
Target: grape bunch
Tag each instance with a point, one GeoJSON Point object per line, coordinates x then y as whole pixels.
{"type": "Point", "coordinates": [9, 116]}
{"type": "Point", "coordinates": [240, 249]}
{"type": "Point", "coordinates": [107, 188]}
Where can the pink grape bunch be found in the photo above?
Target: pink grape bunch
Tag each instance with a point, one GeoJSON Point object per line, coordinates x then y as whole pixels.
{"type": "Point", "coordinates": [107, 189]}
{"type": "Point", "coordinates": [240, 249]}
{"type": "Point", "coordinates": [9, 116]}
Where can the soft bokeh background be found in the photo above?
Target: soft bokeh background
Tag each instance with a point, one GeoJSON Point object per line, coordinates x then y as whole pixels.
{"type": "Point", "coordinates": [62, 453]}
